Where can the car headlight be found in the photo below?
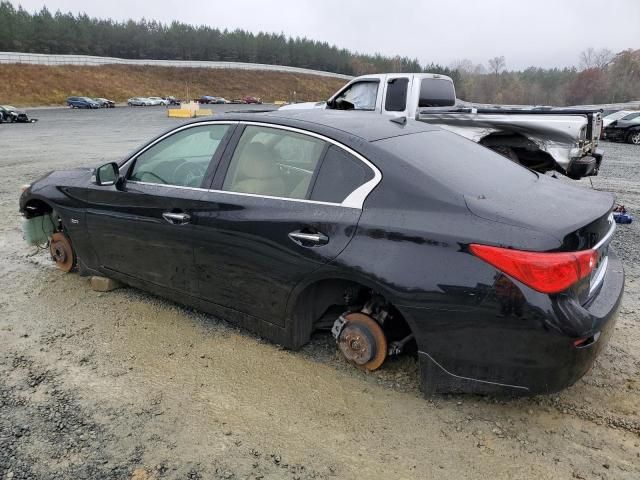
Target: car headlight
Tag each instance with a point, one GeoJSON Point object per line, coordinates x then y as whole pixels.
{"type": "Point", "coordinates": [25, 187]}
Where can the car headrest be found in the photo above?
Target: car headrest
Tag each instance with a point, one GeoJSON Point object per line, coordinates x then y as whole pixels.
{"type": "Point", "coordinates": [258, 162]}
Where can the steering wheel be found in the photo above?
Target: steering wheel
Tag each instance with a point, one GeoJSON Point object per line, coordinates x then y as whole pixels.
{"type": "Point", "coordinates": [142, 175]}
{"type": "Point", "coordinates": [189, 174]}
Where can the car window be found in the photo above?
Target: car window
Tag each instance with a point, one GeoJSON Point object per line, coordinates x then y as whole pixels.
{"type": "Point", "coordinates": [273, 162]}
{"type": "Point", "coordinates": [631, 116]}
{"type": "Point", "coordinates": [340, 174]}
{"type": "Point", "coordinates": [362, 95]}
{"type": "Point", "coordinates": [396, 98]}
{"type": "Point", "coordinates": [436, 92]}
{"type": "Point", "coordinates": [181, 159]}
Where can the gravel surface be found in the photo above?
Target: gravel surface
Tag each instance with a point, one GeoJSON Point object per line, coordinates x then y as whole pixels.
{"type": "Point", "coordinates": [124, 385]}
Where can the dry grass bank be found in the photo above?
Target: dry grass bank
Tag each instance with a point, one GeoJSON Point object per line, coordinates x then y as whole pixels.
{"type": "Point", "coordinates": [31, 85]}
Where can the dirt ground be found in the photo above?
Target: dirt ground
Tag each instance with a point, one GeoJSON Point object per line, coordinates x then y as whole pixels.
{"type": "Point", "coordinates": [124, 385]}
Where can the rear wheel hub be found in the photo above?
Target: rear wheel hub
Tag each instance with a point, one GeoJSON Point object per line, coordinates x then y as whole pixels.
{"type": "Point", "coordinates": [362, 341]}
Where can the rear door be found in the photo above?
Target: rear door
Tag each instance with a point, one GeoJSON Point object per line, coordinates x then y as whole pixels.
{"type": "Point", "coordinates": [144, 226]}
{"type": "Point", "coordinates": [275, 214]}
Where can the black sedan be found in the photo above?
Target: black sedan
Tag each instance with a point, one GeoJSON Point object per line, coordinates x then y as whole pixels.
{"type": "Point", "coordinates": [625, 129]}
{"type": "Point", "coordinates": [395, 235]}
{"type": "Point", "coordinates": [11, 114]}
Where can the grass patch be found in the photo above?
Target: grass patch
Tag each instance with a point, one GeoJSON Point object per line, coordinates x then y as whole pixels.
{"type": "Point", "coordinates": [31, 85]}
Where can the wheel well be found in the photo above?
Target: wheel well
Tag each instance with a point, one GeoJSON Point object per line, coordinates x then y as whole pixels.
{"type": "Point", "coordinates": [36, 208]}
{"type": "Point", "coordinates": [528, 152]}
{"type": "Point", "coordinates": [321, 303]}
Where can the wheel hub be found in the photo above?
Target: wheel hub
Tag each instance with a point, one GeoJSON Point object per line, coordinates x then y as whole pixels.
{"type": "Point", "coordinates": [362, 341]}
{"type": "Point", "coordinates": [62, 251]}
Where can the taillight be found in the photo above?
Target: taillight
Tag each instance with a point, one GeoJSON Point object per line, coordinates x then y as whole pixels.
{"type": "Point", "coordinates": [544, 272]}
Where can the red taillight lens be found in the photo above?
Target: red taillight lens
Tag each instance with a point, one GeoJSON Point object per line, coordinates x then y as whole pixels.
{"type": "Point", "coordinates": [544, 272]}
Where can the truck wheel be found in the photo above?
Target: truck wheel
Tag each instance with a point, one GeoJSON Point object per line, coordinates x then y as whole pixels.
{"type": "Point", "coordinates": [634, 137]}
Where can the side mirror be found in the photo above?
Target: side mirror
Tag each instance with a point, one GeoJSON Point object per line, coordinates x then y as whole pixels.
{"type": "Point", "coordinates": [107, 174]}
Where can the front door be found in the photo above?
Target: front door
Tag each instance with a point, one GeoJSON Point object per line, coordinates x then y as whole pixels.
{"type": "Point", "coordinates": [143, 227]}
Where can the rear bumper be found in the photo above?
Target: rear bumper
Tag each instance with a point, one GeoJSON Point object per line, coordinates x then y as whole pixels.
{"type": "Point", "coordinates": [540, 358]}
{"type": "Point", "coordinates": [589, 165]}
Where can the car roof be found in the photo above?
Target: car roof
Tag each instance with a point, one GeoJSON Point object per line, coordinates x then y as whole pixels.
{"type": "Point", "coordinates": [366, 125]}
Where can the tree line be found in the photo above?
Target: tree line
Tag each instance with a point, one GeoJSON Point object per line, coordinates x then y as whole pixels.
{"type": "Point", "coordinates": [601, 78]}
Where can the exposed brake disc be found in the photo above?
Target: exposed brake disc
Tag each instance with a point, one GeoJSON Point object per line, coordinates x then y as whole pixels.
{"type": "Point", "coordinates": [62, 252]}
{"type": "Point", "coordinates": [361, 340]}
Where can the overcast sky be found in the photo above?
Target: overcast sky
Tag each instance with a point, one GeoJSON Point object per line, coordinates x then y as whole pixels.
{"type": "Point", "coordinates": [544, 33]}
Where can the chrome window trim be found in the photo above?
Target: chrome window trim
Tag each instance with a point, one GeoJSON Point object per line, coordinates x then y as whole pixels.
{"type": "Point", "coordinates": [226, 192]}
{"type": "Point", "coordinates": [354, 200]}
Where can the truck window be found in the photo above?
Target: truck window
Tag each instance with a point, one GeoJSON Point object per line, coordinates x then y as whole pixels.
{"type": "Point", "coordinates": [358, 96]}
{"type": "Point", "coordinates": [396, 98]}
{"type": "Point", "coordinates": [437, 92]}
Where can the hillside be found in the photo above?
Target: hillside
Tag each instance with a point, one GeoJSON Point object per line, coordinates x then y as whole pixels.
{"type": "Point", "coordinates": [30, 85]}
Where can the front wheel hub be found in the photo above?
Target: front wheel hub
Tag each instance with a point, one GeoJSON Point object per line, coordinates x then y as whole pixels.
{"type": "Point", "coordinates": [62, 252]}
{"type": "Point", "coordinates": [362, 341]}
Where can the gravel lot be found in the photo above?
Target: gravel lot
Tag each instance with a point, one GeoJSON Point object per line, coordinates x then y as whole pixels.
{"type": "Point", "coordinates": [124, 385]}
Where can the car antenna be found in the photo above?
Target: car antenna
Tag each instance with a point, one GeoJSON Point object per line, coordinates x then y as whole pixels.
{"type": "Point", "coordinates": [399, 120]}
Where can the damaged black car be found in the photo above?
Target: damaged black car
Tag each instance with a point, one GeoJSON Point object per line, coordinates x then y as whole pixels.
{"type": "Point", "coordinates": [11, 114]}
{"type": "Point", "coordinates": [395, 236]}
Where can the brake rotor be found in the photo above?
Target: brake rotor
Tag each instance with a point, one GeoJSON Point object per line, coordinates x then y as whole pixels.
{"type": "Point", "coordinates": [362, 341]}
{"type": "Point", "coordinates": [62, 252]}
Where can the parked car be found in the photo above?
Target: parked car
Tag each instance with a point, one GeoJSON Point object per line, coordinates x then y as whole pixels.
{"type": "Point", "coordinates": [397, 236]}
{"type": "Point", "coordinates": [173, 100]}
{"type": "Point", "coordinates": [158, 101]}
{"type": "Point", "coordinates": [612, 117]}
{"type": "Point", "coordinates": [105, 103]}
{"type": "Point", "coordinates": [139, 102]}
{"type": "Point", "coordinates": [625, 129]}
{"type": "Point", "coordinates": [82, 102]}
{"type": "Point", "coordinates": [250, 99]}
{"type": "Point", "coordinates": [11, 114]}
{"type": "Point", "coordinates": [543, 139]}
{"type": "Point", "coordinates": [206, 99]}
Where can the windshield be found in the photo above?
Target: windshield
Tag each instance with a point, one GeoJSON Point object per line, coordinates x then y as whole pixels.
{"type": "Point", "coordinates": [617, 115]}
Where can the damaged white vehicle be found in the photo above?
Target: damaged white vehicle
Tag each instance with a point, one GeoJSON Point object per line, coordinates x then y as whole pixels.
{"type": "Point", "coordinates": [543, 139]}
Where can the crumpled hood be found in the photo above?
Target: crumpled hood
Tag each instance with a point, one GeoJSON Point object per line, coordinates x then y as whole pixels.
{"type": "Point", "coordinates": [548, 206]}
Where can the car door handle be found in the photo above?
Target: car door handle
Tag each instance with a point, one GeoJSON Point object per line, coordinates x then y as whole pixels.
{"type": "Point", "coordinates": [309, 239]}
{"type": "Point", "coordinates": [176, 218]}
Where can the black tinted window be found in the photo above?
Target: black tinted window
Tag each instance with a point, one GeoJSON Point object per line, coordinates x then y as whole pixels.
{"type": "Point", "coordinates": [339, 175]}
{"type": "Point", "coordinates": [396, 99]}
{"type": "Point", "coordinates": [436, 92]}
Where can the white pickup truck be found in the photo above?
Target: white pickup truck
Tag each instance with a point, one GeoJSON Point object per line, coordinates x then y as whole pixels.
{"type": "Point", "coordinates": [541, 138]}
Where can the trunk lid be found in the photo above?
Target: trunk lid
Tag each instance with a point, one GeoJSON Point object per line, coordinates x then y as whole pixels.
{"type": "Point", "coordinates": [579, 218]}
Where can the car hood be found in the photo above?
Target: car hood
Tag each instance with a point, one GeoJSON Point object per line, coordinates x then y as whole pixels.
{"type": "Point", "coordinates": [547, 206]}
{"type": "Point", "coordinates": [625, 124]}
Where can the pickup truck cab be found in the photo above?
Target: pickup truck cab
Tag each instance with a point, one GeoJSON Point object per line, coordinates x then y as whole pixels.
{"type": "Point", "coordinates": [541, 138]}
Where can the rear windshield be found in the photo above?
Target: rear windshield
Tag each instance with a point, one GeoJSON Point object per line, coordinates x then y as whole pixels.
{"type": "Point", "coordinates": [436, 92]}
{"type": "Point", "coordinates": [458, 163]}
